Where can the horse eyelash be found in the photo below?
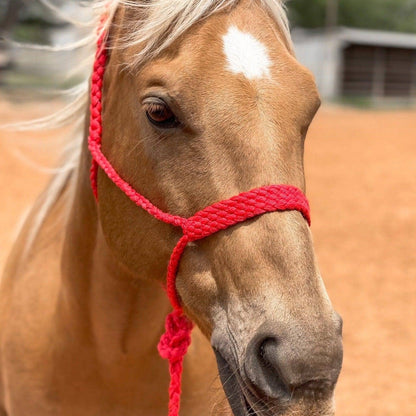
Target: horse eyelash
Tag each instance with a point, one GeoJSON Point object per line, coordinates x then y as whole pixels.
{"type": "Point", "coordinates": [153, 107]}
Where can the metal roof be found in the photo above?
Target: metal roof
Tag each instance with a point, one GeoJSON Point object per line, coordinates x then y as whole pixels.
{"type": "Point", "coordinates": [347, 35]}
{"type": "Point", "coordinates": [377, 37]}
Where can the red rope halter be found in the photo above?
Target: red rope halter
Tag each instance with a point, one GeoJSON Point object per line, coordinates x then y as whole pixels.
{"type": "Point", "coordinates": [219, 216]}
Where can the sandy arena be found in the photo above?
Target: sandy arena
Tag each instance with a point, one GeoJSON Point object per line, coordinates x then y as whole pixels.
{"type": "Point", "coordinates": [361, 176]}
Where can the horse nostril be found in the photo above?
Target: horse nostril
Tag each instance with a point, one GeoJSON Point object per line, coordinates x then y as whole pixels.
{"type": "Point", "coordinates": [277, 366]}
{"type": "Point", "coordinates": [266, 350]}
{"type": "Point", "coordinates": [262, 368]}
{"type": "Point", "coordinates": [270, 357]}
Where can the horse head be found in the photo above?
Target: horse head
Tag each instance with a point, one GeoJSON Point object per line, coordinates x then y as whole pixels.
{"type": "Point", "coordinates": [222, 108]}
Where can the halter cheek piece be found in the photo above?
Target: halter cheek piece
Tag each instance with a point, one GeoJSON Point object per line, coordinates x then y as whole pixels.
{"type": "Point", "coordinates": [175, 342]}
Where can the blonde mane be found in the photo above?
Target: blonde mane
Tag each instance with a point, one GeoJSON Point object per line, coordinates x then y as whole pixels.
{"type": "Point", "coordinates": [161, 23]}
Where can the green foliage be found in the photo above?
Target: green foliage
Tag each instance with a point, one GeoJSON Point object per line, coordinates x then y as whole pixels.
{"type": "Point", "coordinates": [307, 13]}
{"type": "Point", "coordinates": [399, 15]}
{"type": "Point", "coordinates": [30, 33]}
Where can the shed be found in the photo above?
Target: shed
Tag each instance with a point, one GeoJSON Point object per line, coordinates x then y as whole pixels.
{"type": "Point", "coordinates": [357, 62]}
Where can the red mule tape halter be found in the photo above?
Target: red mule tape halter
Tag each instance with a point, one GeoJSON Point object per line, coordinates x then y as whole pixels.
{"type": "Point", "coordinates": [219, 216]}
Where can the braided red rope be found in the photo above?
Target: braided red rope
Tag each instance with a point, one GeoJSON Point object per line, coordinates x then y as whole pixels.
{"type": "Point", "coordinates": [219, 216]}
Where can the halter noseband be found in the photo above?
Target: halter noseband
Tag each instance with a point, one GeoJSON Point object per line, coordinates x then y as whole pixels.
{"type": "Point", "coordinates": [219, 216]}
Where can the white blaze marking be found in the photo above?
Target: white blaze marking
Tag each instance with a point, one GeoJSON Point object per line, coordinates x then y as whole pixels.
{"type": "Point", "coordinates": [245, 54]}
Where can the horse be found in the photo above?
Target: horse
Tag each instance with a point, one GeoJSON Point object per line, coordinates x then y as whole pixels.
{"type": "Point", "coordinates": [202, 100]}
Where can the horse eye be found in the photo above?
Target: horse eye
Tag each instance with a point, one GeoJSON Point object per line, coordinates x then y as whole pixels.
{"type": "Point", "coordinates": [160, 115]}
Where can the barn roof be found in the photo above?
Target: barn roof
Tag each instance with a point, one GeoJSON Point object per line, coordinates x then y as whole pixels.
{"type": "Point", "coordinates": [377, 38]}
{"type": "Point", "coordinates": [347, 35]}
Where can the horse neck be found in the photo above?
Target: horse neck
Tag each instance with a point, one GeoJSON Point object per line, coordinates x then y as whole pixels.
{"type": "Point", "coordinates": [102, 302]}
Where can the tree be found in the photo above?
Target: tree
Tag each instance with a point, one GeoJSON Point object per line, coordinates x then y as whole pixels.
{"type": "Point", "coordinates": [307, 13]}
{"type": "Point", "coordinates": [399, 15]}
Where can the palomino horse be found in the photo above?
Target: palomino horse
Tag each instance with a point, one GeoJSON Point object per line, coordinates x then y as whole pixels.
{"type": "Point", "coordinates": [202, 100]}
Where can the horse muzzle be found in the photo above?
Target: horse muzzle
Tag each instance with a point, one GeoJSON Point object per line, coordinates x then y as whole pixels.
{"type": "Point", "coordinates": [281, 372]}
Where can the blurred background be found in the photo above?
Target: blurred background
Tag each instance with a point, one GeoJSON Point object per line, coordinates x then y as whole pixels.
{"type": "Point", "coordinates": [360, 161]}
{"type": "Point", "coordinates": [361, 52]}
{"type": "Point", "coordinates": [25, 23]}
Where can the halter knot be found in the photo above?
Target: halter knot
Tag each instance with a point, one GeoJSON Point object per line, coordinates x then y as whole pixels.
{"type": "Point", "coordinates": [174, 343]}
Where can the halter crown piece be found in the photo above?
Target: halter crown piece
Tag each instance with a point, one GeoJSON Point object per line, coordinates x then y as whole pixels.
{"type": "Point", "coordinates": [174, 343]}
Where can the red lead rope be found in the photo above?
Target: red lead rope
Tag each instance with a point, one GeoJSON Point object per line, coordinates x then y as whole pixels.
{"type": "Point", "coordinates": [175, 342]}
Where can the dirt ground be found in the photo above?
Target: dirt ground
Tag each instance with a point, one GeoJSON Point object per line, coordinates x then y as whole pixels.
{"type": "Point", "coordinates": [361, 175]}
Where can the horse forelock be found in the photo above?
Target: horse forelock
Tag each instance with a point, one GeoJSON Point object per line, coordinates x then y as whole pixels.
{"type": "Point", "coordinates": [160, 22]}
